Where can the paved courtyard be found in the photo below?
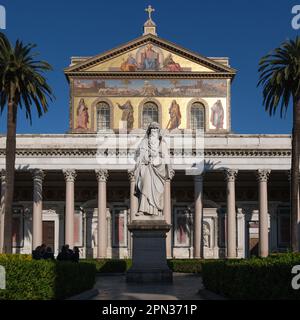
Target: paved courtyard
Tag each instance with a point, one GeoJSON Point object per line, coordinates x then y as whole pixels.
{"type": "Point", "coordinates": [184, 287]}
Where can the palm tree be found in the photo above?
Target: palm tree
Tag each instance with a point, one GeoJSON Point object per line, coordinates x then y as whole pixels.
{"type": "Point", "coordinates": [280, 78]}
{"type": "Point", "coordinates": [22, 85]}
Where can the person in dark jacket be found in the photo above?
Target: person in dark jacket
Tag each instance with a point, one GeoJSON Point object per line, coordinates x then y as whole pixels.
{"type": "Point", "coordinates": [65, 254]}
{"type": "Point", "coordinates": [42, 250]}
{"type": "Point", "coordinates": [49, 254]}
{"type": "Point", "coordinates": [76, 254]}
{"type": "Point", "coordinates": [36, 254]}
{"type": "Point", "coordinates": [70, 251]}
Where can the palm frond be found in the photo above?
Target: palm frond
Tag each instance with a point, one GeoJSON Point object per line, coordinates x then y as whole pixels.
{"type": "Point", "coordinates": [20, 69]}
{"type": "Point", "coordinates": [280, 76]}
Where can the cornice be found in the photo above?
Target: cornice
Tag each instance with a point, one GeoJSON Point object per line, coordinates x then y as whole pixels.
{"type": "Point", "coordinates": [88, 153]}
{"type": "Point", "coordinates": [151, 75]}
{"type": "Point", "coordinates": [94, 135]}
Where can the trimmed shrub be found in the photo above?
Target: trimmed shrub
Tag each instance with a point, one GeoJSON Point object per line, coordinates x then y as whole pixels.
{"type": "Point", "coordinates": [256, 278]}
{"type": "Point", "coordinates": [44, 279]}
{"type": "Point", "coordinates": [186, 265]}
{"type": "Point", "coordinates": [109, 265]}
{"type": "Point", "coordinates": [6, 256]}
{"type": "Point", "coordinates": [122, 265]}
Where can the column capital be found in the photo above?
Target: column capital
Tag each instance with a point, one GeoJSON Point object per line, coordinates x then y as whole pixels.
{"type": "Point", "coordinates": [230, 174]}
{"type": "Point", "coordinates": [102, 175]}
{"type": "Point", "coordinates": [70, 175]}
{"type": "Point", "coordinates": [131, 176]}
{"type": "Point", "coordinates": [262, 175]}
{"type": "Point", "coordinates": [38, 174]}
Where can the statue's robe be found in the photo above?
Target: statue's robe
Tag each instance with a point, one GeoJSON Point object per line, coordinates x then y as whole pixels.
{"type": "Point", "coordinates": [150, 178]}
{"type": "Point", "coordinates": [175, 116]}
{"type": "Point", "coordinates": [127, 114]}
{"type": "Point", "coordinates": [217, 115]}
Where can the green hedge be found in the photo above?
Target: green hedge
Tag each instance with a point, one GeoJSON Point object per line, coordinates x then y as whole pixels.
{"type": "Point", "coordinates": [122, 265]}
{"type": "Point", "coordinates": [109, 265]}
{"type": "Point", "coordinates": [256, 278]}
{"type": "Point", "coordinates": [186, 265]}
{"type": "Point", "coordinates": [28, 279]}
{"type": "Point", "coordinates": [4, 256]}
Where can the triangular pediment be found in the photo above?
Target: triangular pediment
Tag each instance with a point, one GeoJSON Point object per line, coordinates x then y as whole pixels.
{"type": "Point", "coordinates": [149, 54]}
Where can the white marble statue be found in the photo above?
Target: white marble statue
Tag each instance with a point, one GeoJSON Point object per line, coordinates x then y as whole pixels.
{"type": "Point", "coordinates": [206, 235]}
{"type": "Point", "coordinates": [151, 171]}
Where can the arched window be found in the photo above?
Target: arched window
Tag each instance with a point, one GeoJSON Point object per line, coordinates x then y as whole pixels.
{"type": "Point", "coordinates": [150, 114]}
{"type": "Point", "coordinates": [103, 116]}
{"type": "Point", "coordinates": [197, 116]}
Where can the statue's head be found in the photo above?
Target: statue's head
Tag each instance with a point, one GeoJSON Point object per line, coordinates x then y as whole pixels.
{"type": "Point", "coordinates": [153, 128]}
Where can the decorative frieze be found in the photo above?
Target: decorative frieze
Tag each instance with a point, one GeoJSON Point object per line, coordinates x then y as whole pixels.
{"type": "Point", "coordinates": [151, 75]}
{"type": "Point", "coordinates": [87, 153]}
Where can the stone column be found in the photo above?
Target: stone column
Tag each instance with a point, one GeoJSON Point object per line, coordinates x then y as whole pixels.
{"type": "Point", "coordinates": [70, 176]}
{"type": "Point", "coordinates": [168, 212]}
{"type": "Point", "coordinates": [198, 193]}
{"type": "Point", "coordinates": [230, 176]}
{"type": "Point", "coordinates": [102, 176]}
{"type": "Point", "coordinates": [37, 214]}
{"type": "Point", "coordinates": [2, 209]}
{"type": "Point", "coordinates": [262, 177]}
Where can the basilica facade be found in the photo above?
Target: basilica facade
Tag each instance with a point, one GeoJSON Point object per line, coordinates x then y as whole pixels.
{"type": "Point", "coordinates": [227, 196]}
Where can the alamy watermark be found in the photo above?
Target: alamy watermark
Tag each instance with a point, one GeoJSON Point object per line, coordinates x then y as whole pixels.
{"type": "Point", "coordinates": [296, 279]}
{"type": "Point", "coordinates": [2, 278]}
{"type": "Point", "coordinates": [121, 148]}
{"type": "Point", "coordinates": [2, 17]}
{"type": "Point", "coordinates": [296, 18]}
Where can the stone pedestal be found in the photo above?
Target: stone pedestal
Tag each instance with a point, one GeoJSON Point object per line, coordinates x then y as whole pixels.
{"type": "Point", "coordinates": [149, 261]}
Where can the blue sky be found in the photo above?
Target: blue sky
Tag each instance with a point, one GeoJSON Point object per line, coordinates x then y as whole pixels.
{"type": "Point", "coordinates": [240, 29]}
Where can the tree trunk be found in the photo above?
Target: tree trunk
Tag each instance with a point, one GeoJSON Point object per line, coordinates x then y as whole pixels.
{"type": "Point", "coordinates": [10, 158]}
{"type": "Point", "coordinates": [295, 177]}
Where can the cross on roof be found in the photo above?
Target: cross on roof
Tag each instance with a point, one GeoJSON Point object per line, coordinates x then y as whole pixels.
{"type": "Point", "coordinates": [149, 10]}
